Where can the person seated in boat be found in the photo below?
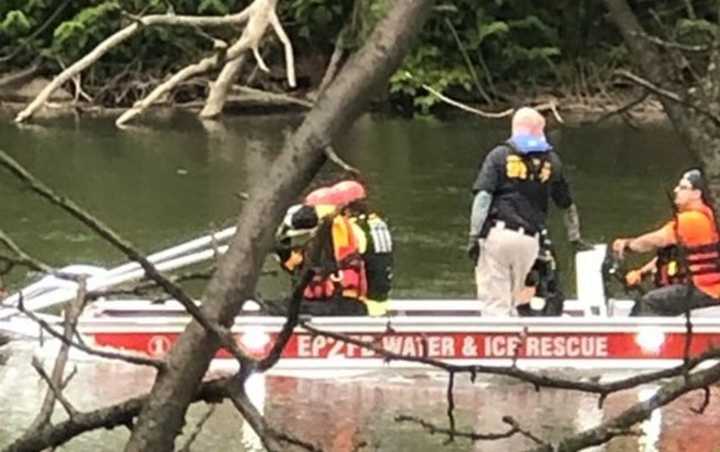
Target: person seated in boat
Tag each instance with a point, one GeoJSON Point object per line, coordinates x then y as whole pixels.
{"type": "Point", "coordinates": [339, 284]}
{"type": "Point", "coordinates": [694, 233]}
{"type": "Point", "coordinates": [375, 242]}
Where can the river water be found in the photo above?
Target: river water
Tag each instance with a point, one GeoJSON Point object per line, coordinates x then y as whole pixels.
{"type": "Point", "coordinates": [174, 178]}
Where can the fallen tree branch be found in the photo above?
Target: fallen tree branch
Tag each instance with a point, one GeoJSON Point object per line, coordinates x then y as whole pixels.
{"type": "Point", "coordinates": [261, 15]}
{"type": "Point", "coordinates": [493, 115]}
{"type": "Point", "coordinates": [219, 89]}
{"type": "Point", "coordinates": [467, 108]}
{"type": "Point", "coordinates": [121, 36]}
{"type": "Point", "coordinates": [17, 77]}
{"type": "Point", "coordinates": [273, 97]}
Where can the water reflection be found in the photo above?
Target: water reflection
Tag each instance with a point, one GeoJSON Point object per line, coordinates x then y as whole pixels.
{"type": "Point", "coordinates": [344, 414]}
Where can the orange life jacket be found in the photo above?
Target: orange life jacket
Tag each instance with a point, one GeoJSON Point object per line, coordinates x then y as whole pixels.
{"type": "Point", "coordinates": [349, 279]}
{"type": "Point", "coordinates": [698, 252]}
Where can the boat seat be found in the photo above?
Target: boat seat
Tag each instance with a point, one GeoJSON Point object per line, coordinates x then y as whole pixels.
{"type": "Point", "coordinates": [589, 282]}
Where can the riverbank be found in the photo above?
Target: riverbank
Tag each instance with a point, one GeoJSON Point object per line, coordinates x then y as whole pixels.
{"type": "Point", "coordinates": [617, 106]}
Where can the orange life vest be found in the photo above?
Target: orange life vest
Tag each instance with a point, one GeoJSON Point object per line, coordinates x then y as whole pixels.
{"type": "Point", "coordinates": [349, 279]}
{"type": "Point", "coordinates": [699, 248]}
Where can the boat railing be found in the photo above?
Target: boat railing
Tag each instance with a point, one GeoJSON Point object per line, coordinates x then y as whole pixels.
{"type": "Point", "coordinates": [51, 290]}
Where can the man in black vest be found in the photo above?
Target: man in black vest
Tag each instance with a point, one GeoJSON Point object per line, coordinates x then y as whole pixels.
{"type": "Point", "coordinates": [509, 210]}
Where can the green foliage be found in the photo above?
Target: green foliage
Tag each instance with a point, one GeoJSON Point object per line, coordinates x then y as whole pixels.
{"type": "Point", "coordinates": [73, 37]}
{"type": "Point", "coordinates": [316, 21]}
{"type": "Point", "coordinates": [471, 50]}
{"type": "Point", "coordinates": [695, 30]}
{"type": "Point", "coordinates": [15, 24]}
{"type": "Point", "coordinates": [210, 7]}
{"type": "Point", "coordinates": [424, 67]}
{"type": "Point", "coordinates": [467, 48]}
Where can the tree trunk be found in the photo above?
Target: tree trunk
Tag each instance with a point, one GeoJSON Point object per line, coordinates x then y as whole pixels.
{"type": "Point", "coordinates": [699, 131]}
{"type": "Point", "coordinates": [162, 417]}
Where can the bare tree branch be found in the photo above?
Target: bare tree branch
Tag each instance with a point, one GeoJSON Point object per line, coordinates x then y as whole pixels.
{"type": "Point", "coordinates": [270, 438]}
{"type": "Point", "coordinates": [472, 436]}
{"type": "Point", "coordinates": [620, 424]}
{"type": "Point", "coordinates": [261, 15]}
{"type": "Point", "coordinates": [19, 76]}
{"type": "Point", "coordinates": [56, 384]}
{"type": "Point", "coordinates": [121, 36]}
{"type": "Point", "coordinates": [624, 108]}
{"type": "Point", "coordinates": [23, 258]}
{"type": "Point", "coordinates": [334, 158]}
{"type": "Point", "coordinates": [198, 428]}
{"type": "Point", "coordinates": [132, 359]}
{"type": "Point", "coordinates": [121, 414]}
{"type": "Point", "coordinates": [219, 89]}
{"type": "Point", "coordinates": [667, 94]}
{"type": "Point", "coordinates": [54, 392]}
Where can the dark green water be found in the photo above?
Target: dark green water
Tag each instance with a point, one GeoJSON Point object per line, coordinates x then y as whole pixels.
{"type": "Point", "coordinates": [162, 185]}
{"type": "Point", "coordinates": [171, 181]}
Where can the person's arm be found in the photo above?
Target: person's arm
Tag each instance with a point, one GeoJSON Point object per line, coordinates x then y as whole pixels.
{"type": "Point", "coordinates": [572, 223]}
{"type": "Point", "coordinates": [479, 213]}
{"type": "Point", "coordinates": [634, 277]}
{"type": "Point", "coordinates": [485, 185]}
{"type": "Point", "coordinates": [561, 196]}
{"type": "Point", "coordinates": [644, 243]}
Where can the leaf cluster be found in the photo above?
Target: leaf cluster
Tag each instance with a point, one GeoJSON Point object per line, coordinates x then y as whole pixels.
{"type": "Point", "coordinates": [475, 51]}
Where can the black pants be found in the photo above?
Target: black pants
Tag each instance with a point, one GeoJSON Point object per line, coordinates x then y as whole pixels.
{"type": "Point", "coordinates": [672, 300]}
{"type": "Point", "coordinates": [336, 306]}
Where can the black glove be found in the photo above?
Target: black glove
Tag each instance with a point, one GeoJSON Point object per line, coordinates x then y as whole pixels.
{"type": "Point", "coordinates": [473, 249]}
{"type": "Point", "coordinates": [581, 245]}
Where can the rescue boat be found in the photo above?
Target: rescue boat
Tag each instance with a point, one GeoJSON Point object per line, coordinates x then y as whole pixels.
{"type": "Point", "coordinates": [594, 331]}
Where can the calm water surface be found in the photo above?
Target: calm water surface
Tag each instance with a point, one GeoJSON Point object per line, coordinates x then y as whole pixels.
{"type": "Point", "coordinates": [169, 182]}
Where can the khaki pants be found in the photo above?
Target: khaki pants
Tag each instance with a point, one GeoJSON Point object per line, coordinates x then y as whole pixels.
{"type": "Point", "coordinates": [506, 257]}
